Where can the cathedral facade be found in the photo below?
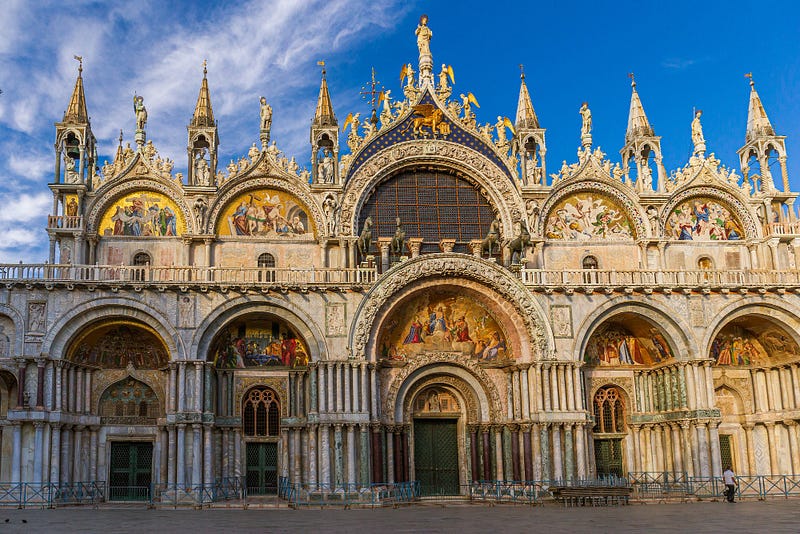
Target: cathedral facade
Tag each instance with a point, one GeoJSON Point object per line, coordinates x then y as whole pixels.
{"type": "Point", "coordinates": [425, 303]}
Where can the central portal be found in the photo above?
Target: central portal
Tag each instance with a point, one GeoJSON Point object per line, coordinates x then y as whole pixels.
{"type": "Point", "coordinates": [436, 456]}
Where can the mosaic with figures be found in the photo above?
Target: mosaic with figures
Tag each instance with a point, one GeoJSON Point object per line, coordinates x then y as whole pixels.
{"type": "Point", "coordinates": [588, 216]}
{"type": "Point", "coordinates": [143, 214]}
{"type": "Point", "coordinates": [265, 213]}
{"type": "Point", "coordinates": [438, 321]}
{"type": "Point", "coordinates": [614, 345]}
{"type": "Point", "coordinates": [117, 345]}
{"type": "Point", "coordinates": [701, 219]}
{"type": "Point", "coordinates": [738, 345]}
{"type": "Point", "coordinates": [256, 342]}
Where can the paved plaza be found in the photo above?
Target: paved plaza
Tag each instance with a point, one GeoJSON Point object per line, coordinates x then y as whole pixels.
{"type": "Point", "coordinates": [771, 516]}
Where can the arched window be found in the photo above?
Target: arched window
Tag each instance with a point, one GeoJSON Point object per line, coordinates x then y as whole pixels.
{"type": "Point", "coordinates": [609, 411]}
{"type": "Point", "coordinates": [261, 413]}
{"type": "Point", "coordinates": [141, 259]}
{"type": "Point", "coordinates": [266, 265]}
{"type": "Point", "coordinates": [129, 401]}
{"type": "Point", "coordinates": [705, 263]}
{"type": "Point", "coordinates": [590, 262]}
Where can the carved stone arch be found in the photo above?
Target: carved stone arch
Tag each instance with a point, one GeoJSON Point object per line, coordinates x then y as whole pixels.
{"type": "Point", "coordinates": [678, 333]}
{"type": "Point", "coordinates": [489, 406]}
{"type": "Point", "coordinates": [294, 187]}
{"type": "Point", "coordinates": [303, 324]}
{"type": "Point", "coordinates": [73, 321]}
{"type": "Point", "coordinates": [720, 192]}
{"type": "Point", "coordinates": [112, 191]}
{"type": "Point", "coordinates": [780, 312]}
{"type": "Point", "coordinates": [738, 389]}
{"type": "Point", "coordinates": [19, 328]}
{"type": "Point", "coordinates": [451, 383]}
{"type": "Point", "coordinates": [612, 190]}
{"type": "Point", "coordinates": [63, 134]}
{"type": "Point", "coordinates": [623, 383]}
{"type": "Point", "coordinates": [278, 385]}
{"type": "Point", "coordinates": [531, 315]}
{"type": "Point", "coordinates": [475, 167]}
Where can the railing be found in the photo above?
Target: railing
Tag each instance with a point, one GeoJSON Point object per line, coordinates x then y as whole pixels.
{"type": "Point", "coordinates": [783, 228]}
{"type": "Point", "coordinates": [642, 278]}
{"type": "Point", "coordinates": [68, 222]}
{"type": "Point", "coordinates": [46, 495]}
{"type": "Point", "coordinates": [225, 489]}
{"type": "Point", "coordinates": [348, 494]}
{"type": "Point", "coordinates": [659, 486]}
{"type": "Point", "coordinates": [38, 273]}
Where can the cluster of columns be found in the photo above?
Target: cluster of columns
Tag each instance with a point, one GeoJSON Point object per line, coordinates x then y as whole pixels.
{"type": "Point", "coordinates": [690, 447]}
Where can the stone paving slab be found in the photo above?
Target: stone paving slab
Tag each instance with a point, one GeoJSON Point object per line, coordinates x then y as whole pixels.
{"type": "Point", "coordinates": [771, 516]}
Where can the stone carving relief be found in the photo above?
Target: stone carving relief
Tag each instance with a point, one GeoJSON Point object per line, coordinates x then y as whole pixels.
{"type": "Point", "coordinates": [472, 412]}
{"type": "Point", "coordinates": [37, 317]}
{"type": "Point", "coordinates": [335, 319]}
{"type": "Point", "coordinates": [561, 319]}
{"type": "Point", "coordinates": [624, 382]}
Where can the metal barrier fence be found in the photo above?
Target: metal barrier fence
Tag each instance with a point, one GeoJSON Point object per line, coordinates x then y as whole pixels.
{"type": "Point", "coordinates": [348, 494]}
{"type": "Point", "coordinates": [656, 486]}
{"type": "Point", "coordinates": [46, 495]}
{"type": "Point", "coordinates": [224, 489]}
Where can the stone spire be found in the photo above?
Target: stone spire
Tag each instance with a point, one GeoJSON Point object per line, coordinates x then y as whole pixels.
{"type": "Point", "coordinates": [638, 125]}
{"type": "Point", "coordinates": [526, 116]}
{"type": "Point", "coordinates": [640, 143]}
{"type": "Point", "coordinates": [761, 142]}
{"type": "Point", "coordinates": [203, 112]}
{"type": "Point", "coordinates": [757, 121]}
{"type": "Point", "coordinates": [76, 111]}
{"type": "Point", "coordinates": [324, 115]}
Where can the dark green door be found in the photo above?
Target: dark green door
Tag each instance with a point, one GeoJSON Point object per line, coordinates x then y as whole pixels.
{"type": "Point", "coordinates": [436, 456]}
{"type": "Point", "coordinates": [608, 457]}
{"type": "Point", "coordinates": [131, 471]}
{"type": "Point", "coordinates": [262, 468]}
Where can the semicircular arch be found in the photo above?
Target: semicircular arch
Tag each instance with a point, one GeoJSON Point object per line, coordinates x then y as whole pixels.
{"type": "Point", "coordinates": [730, 200]}
{"type": "Point", "coordinates": [19, 328]}
{"type": "Point", "coordinates": [476, 168]}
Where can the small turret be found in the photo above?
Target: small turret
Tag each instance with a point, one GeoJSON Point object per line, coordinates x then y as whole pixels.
{"type": "Point", "coordinates": [761, 142]}
{"type": "Point", "coordinates": [324, 138]}
{"type": "Point", "coordinates": [203, 139]}
{"type": "Point", "coordinates": [640, 142]}
{"type": "Point", "coordinates": [529, 139]}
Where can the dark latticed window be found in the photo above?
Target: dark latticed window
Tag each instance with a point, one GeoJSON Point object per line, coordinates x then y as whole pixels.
{"type": "Point", "coordinates": [261, 417]}
{"type": "Point", "coordinates": [430, 204]}
{"type": "Point", "coordinates": [141, 259]}
{"type": "Point", "coordinates": [609, 411]}
{"type": "Point", "coordinates": [266, 261]}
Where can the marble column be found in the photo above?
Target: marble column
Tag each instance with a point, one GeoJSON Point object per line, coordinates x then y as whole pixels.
{"type": "Point", "coordinates": [66, 454]}
{"type": "Point", "coordinates": [208, 432]}
{"type": "Point", "coordinates": [297, 456]}
{"type": "Point", "coordinates": [486, 453]}
{"type": "Point", "coordinates": [55, 453]}
{"type": "Point", "coordinates": [237, 452]}
{"type": "Point", "coordinates": [93, 430]}
{"type": "Point", "coordinates": [545, 451]}
{"type": "Point", "coordinates": [324, 454]}
{"type": "Point", "coordinates": [377, 453]}
{"type": "Point", "coordinates": [536, 452]}
{"type": "Point", "coordinates": [322, 393]}
{"type": "Point", "coordinates": [364, 435]}
{"type": "Point", "coordinates": [78, 391]}
{"type": "Point", "coordinates": [524, 391]}
{"type": "Point", "coordinates": [172, 384]}
{"type": "Point", "coordinates": [38, 437]}
{"type": "Point", "coordinates": [313, 454]}
{"type": "Point", "coordinates": [569, 463]}
{"type": "Point", "coordinates": [473, 453]}
{"type": "Point", "coordinates": [716, 461]}
{"type": "Point", "coordinates": [657, 443]}
{"type": "Point", "coordinates": [181, 404]}
{"type": "Point", "coordinates": [338, 451]}
{"type": "Point", "coordinates": [346, 371]}
{"type": "Point", "coordinates": [332, 387]}
{"type": "Point", "coordinates": [558, 470]}
{"type": "Point", "coordinates": [794, 447]}
{"type": "Point", "coordinates": [40, 363]}
{"type": "Point", "coordinates": [16, 452]}
{"type": "Point", "coordinates": [515, 457]}
{"type": "Point", "coordinates": [78, 450]}
{"type": "Point", "coordinates": [637, 449]}
{"type": "Point", "coordinates": [180, 458]}
{"type": "Point", "coordinates": [498, 452]}
{"type": "Point", "coordinates": [772, 436]}
{"type": "Point", "coordinates": [751, 453]}
{"type": "Point", "coordinates": [677, 449]}
{"type": "Point", "coordinates": [351, 454]}
{"type": "Point", "coordinates": [171, 451]}
{"type": "Point", "coordinates": [198, 386]}
{"type": "Point", "coordinates": [580, 450]}
{"type": "Point", "coordinates": [284, 452]}
{"type": "Point", "coordinates": [703, 449]}
{"type": "Point", "coordinates": [546, 384]}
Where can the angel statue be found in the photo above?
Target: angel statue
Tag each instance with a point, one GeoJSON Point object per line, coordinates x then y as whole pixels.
{"type": "Point", "coordinates": [140, 111]}
{"type": "Point", "coordinates": [447, 70]}
{"type": "Point", "coordinates": [424, 35]}
{"type": "Point", "coordinates": [353, 139]}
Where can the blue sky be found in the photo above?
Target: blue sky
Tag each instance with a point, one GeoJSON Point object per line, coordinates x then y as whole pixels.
{"type": "Point", "coordinates": [684, 55]}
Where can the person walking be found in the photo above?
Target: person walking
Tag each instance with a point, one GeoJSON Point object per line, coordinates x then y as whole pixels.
{"type": "Point", "coordinates": [729, 478]}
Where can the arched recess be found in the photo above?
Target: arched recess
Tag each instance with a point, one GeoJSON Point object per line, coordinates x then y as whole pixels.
{"type": "Point", "coordinates": [303, 325]}
{"type": "Point", "coordinates": [730, 403]}
{"type": "Point", "coordinates": [108, 197]}
{"type": "Point", "coordinates": [292, 187]}
{"type": "Point", "coordinates": [780, 313]}
{"type": "Point", "coordinates": [728, 200]}
{"type": "Point", "coordinates": [481, 398]}
{"type": "Point", "coordinates": [535, 336]}
{"type": "Point", "coordinates": [13, 327]}
{"type": "Point", "coordinates": [118, 344]}
{"type": "Point", "coordinates": [493, 183]}
{"type": "Point", "coordinates": [72, 322]}
{"type": "Point", "coordinates": [130, 401]}
{"type": "Point", "coordinates": [8, 392]}
{"type": "Point", "coordinates": [601, 190]}
{"type": "Point", "coordinates": [674, 330]}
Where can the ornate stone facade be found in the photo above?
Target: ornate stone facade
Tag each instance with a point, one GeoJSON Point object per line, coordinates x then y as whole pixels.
{"type": "Point", "coordinates": [682, 296]}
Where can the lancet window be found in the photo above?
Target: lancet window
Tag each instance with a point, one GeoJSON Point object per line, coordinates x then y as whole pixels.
{"type": "Point", "coordinates": [261, 413]}
{"type": "Point", "coordinates": [609, 411]}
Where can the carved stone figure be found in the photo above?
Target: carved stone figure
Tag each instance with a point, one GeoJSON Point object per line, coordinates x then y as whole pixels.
{"type": "Point", "coordinates": [71, 176]}
{"type": "Point", "coordinates": [72, 207]}
{"type": "Point", "coordinates": [586, 117]}
{"type": "Point", "coordinates": [253, 153]}
{"type": "Point", "coordinates": [326, 168]}
{"type": "Point", "coordinates": [492, 238]}
{"type": "Point", "coordinates": [200, 207]}
{"type": "Point", "coordinates": [697, 133]}
{"type": "Point", "coordinates": [518, 244]}
{"type": "Point", "coordinates": [202, 173]}
{"type": "Point", "coordinates": [140, 111]}
{"type": "Point", "coordinates": [398, 244]}
{"type": "Point", "coordinates": [532, 210]}
{"type": "Point", "coordinates": [424, 35]}
{"type": "Point", "coordinates": [150, 150]}
{"type": "Point", "coordinates": [652, 216]}
{"type": "Point", "coordinates": [331, 208]}
{"type": "Point", "coordinates": [292, 166]}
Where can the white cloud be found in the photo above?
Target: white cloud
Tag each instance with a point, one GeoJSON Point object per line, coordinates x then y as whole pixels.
{"type": "Point", "coordinates": [31, 166]}
{"type": "Point", "coordinates": [20, 209]}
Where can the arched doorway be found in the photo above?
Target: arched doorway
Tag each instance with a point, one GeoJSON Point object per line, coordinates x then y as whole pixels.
{"type": "Point", "coordinates": [609, 430]}
{"type": "Point", "coordinates": [261, 425]}
{"type": "Point", "coordinates": [436, 415]}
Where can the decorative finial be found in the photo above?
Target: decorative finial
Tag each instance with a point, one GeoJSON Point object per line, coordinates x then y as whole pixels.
{"type": "Point", "coordinates": [120, 137]}
{"type": "Point", "coordinates": [80, 64]}
{"type": "Point", "coordinates": [522, 71]}
{"type": "Point", "coordinates": [321, 63]}
{"type": "Point", "coordinates": [633, 80]}
{"type": "Point", "coordinates": [205, 67]}
{"type": "Point", "coordinates": [750, 75]}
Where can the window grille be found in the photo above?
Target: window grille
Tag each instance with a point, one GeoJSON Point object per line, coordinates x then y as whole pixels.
{"type": "Point", "coordinates": [261, 413]}
{"type": "Point", "coordinates": [609, 411]}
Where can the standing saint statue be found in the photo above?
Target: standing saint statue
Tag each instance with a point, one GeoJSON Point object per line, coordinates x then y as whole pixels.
{"type": "Point", "coordinates": [697, 133]}
{"type": "Point", "coordinates": [586, 115]}
{"type": "Point", "coordinates": [140, 111]}
{"type": "Point", "coordinates": [424, 35]}
{"type": "Point", "coordinates": [266, 115]}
